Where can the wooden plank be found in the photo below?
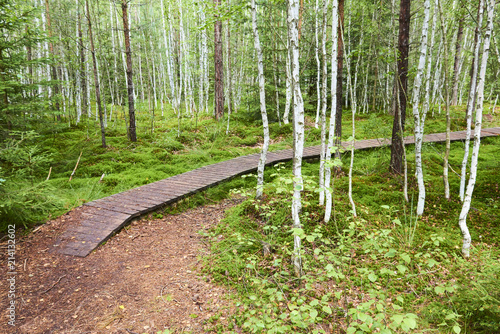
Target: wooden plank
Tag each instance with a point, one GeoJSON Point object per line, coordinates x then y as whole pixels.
{"type": "Point", "coordinates": [112, 207]}
{"type": "Point", "coordinates": [91, 211]}
{"type": "Point", "coordinates": [123, 201]}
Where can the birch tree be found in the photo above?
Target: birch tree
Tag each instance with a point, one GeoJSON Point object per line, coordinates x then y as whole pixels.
{"type": "Point", "coordinates": [462, 221]}
{"type": "Point", "coordinates": [447, 109]}
{"type": "Point", "coordinates": [262, 97]}
{"type": "Point", "coordinates": [96, 77]}
{"type": "Point", "coordinates": [219, 72]}
{"type": "Point", "coordinates": [333, 111]}
{"type": "Point", "coordinates": [420, 119]}
{"type": "Point", "coordinates": [323, 105]}
{"type": "Point", "coordinates": [298, 129]}
{"type": "Point", "coordinates": [471, 102]}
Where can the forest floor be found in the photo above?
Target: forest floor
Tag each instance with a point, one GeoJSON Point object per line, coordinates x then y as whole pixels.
{"type": "Point", "coordinates": [146, 279]}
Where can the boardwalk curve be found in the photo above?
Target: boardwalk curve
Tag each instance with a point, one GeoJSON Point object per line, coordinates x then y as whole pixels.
{"type": "Point", "coordinates": [101, 218]}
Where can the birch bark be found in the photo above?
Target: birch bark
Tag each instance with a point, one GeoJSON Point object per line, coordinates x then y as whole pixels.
{"type": "Point", "coordinates": [96, 78]}
{"type": "Point", "coordinates": [333, 111]}
{"type": "Point", "coordinates": [262, 96]}
{"type": "Point", "coordinates": [298, 131]}
{"type": "Point", "coordinates": [318, 74]}
{"type": "Point", "coordinates": [288, 83]}
{"type": "Point", "coordinates": [420, 119]}
{"type": "Point", "coordinates": [447, 109]}
{"type": "Point", "coordinates": [218, 66]}
{"type": "Point", "coordinates": [472, 98]}
{"type": "Point", "coordinates": [323, 104]}
{"type": "Point", "coordinates": [462, 222]}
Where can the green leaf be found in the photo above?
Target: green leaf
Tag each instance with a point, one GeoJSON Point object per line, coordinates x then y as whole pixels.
{"type": "Point", "coordinates": [380, 307]}
{"type": "Point", "coordinates": [457, 329]}
{"type": "Point", "coordinates": [299, 232]}
{"type": "Point", "coordinates": [431, 263]}
{"type": "Point", "coordinates": [405, 257]}
{"type": "Point", "coordinates": [313, 314]}
{"type": "Point", "coordinates": [327, 309]}
{"type": "Point", "coordinates": [391, 253]}
{"type": "Point", "coordinates": [439, 289]}
{"type": "Point", "coordinates": [397, 318]}
{"type": "Point", "coordinates": [402, 269]}
{"type": "Point", "coordinates": [410, 322]}
{"type": "Point", "coordinates": [372, 277]}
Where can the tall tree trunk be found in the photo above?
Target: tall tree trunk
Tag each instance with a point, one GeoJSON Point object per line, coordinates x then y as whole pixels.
{"type": "Point", "coordinates": [396, 165]}
{"type": "Point", "coordinates": [262, 97]}
{"type": "Point", "coordinates": [471, 102]}
{"type": "Point", "coordinates": [96, 78]}
{"type": "Point", "coordinates": [333, 111]}
{"type": "Point", "coordinates": [323, 103]}
{"type": "Point", "coordinates": [80, 68]}
{"type": "Point", "coordinates": [447, 108]}
{"type": "Point", "coordinates": [288, 83]}
{"type": "Point", "coordinates": [218, 66]}
{"type": "Point", "coordinates": [298, 131]}
{"type": "Point", "coordinates": [420, 120]}
{"type": "Point", "coordinates": [229, 71]}
{"type": "Point", "coordinates": [456, 66]}
{"type": "Point", "coordinates": [130, 84]}
{"type": "Point", "coordinates": [53, 69]}
{"type": "Point", "coordinates": [477, 133]}
{"type": "Point", "coordinates": [340, 66]}
{"type": "Point", "coordinates": [318, 75]}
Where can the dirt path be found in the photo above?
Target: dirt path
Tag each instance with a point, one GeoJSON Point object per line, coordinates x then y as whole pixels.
{"type": "Point", "coordinates": [144, 280]}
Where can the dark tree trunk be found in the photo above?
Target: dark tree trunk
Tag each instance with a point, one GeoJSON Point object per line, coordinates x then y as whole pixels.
{"type": "Point", "coordinates": [53, 72]}
{"type": "Point", "coordinates": [130, 84]}
{"type": "Point", "coordinates": [219, 68]}
{"type": "Point", "coordinates": [340, 62]}
{"type": "Point", "coordinates": [96, 78]}
{"type": "Point", "coordinates": [458, 49]}
{"type": "Point", "coordinates": [396, 165]}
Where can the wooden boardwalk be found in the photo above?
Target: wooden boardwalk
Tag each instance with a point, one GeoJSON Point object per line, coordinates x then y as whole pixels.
{"type": "Point", "coordinates": [101, 218]}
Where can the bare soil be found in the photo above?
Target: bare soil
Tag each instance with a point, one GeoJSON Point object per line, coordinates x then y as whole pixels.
{"type": "Point", "coordinates": [145, 279]}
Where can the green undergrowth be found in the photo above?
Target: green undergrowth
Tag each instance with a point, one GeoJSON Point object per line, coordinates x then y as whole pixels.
{"type": "Point", "coordinates": [165, 147]}
{"type": "Point", "coordinates": [385, 271]}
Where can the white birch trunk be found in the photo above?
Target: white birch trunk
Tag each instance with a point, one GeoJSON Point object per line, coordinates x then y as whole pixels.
{"type": "Point", "coordinates": [77, 72]}
{"type": "Point", "coordinates": [298, 122]}
{"type": "Point", "coordinates": [462, 222]}
{"type": "Point", "coordinates": [471, 103]}
{"type": "Point", "coordinates": [420, 120]}
{"type": "Point", "coordinates": [333, 112]}
{"type": "Point", "coordinates": [323, 103]}
{"type": "Point", "coordinates": [318, 77]}
{"type": "Point", "coordinates": [168, 56]}
{"type": "Point", "coordinates": [354, 107]}
{"type": "Point", "coordinates": [262, 96]}
{"type": "Point", "coordinates": [288, 98]}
